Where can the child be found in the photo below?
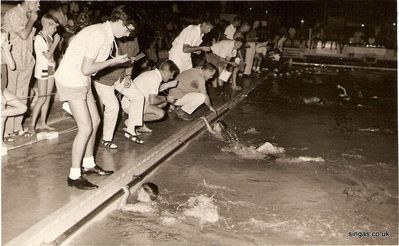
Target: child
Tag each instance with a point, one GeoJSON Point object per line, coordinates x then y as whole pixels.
{"type": "Point", "coordinates": [15, 106]}
{"type": "Point", "coordinates": [44, 46]}
{"type": "Point", "coordinates": [146, 196]}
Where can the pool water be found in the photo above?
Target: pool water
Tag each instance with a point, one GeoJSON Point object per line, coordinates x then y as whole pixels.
{"type": "Point", "coordinates": [337, 174]}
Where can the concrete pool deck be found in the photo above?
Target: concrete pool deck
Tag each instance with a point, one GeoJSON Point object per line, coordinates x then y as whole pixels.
{"type": "Point", "coordinates": [38, 206]}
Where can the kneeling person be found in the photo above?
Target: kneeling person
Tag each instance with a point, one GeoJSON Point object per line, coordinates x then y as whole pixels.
{"type": "Point", "coordinates": [190, 92]}
{"type": "Point", "coordinates": [149, 85]}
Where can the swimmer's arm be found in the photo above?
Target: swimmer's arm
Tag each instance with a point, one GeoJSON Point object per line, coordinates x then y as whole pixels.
{"type": "Point", "coordinates": [208, 126]}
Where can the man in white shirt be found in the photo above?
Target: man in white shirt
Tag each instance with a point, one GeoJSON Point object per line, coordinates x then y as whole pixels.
{"type": "Point", "coordinates": [232, 28]}
{"type": "Point", "coordinates": [188, 42]}
{"type": "Point", "coordinates": [86, 55]}
{"type": "Point", "coordinates": [221, 55]}
{"type": "Point", "coordinates": [147, 85]}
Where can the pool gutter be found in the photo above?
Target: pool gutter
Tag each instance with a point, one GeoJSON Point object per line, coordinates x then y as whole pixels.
{"type": "Point", "coordinates": [71, 214]}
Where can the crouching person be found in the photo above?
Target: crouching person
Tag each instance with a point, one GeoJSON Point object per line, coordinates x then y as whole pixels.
{"type": "Point", "coordinates": [147, 85]}
{"type": "Point", "coordinates": [190, 92]}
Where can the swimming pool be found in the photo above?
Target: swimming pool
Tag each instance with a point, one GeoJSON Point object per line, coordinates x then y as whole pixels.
{"type": "Point", "coordinates": [350, 186]}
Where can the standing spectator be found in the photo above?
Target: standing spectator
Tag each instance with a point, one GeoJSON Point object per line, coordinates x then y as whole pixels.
{"type": "Point", "coordinates": [250, 51]}
{"type": "Point", "coordinates": [232, 28]}
{"type": "Point", "coordinates": [19, 21]}
{"type": "Point", "coordinates": [44, 46]}
{"type": "Point", "coordinates": [240, 33]}
{"type": "Point", "coordinates": [87, 54]}
{"type": "Point", "coordinates": [221, 55]}
{"type": "Point", "coordinates": [191, 92]}
{"type": "Point", "coordinates": [188, 42]}
{"type": "Point", "coordinates": [105, 86]}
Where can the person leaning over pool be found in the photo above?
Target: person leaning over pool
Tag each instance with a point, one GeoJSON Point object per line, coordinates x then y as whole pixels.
{"type": "Point", "coordinates": [86, 55]}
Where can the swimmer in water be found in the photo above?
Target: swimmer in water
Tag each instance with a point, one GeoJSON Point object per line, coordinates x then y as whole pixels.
{"type": "Point", "coordinates": [217, 129]}
{"type": "Point", "coordinates": [146, 195]}
{"type": "Point", "coordinates": [220, 130]}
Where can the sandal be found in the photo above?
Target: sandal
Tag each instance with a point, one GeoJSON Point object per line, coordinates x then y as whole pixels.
{"type": "Point", "coordinates": [109, 144]}
{"type": "Point", "coordinates": [8, 139]}
{"type": "Point", "coordinates": [133, 138]}
{"type": "Point", "coordinates": [28, 134]}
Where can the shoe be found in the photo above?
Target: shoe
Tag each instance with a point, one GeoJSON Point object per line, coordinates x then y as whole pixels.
{"type": "Point", "coordinates": [81, 183]}
{"type": "Point", "coordinates": [96, 170]}
{"type": "Point", "coordinates": [182, 115]}
{"type": "Point", "coordinates": [109, 144]}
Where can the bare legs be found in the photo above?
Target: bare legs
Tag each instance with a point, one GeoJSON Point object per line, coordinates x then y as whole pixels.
{"type": "Point", "coordinates": [45, 87]}
{"type": "Point", "coordinates": [87, 118]}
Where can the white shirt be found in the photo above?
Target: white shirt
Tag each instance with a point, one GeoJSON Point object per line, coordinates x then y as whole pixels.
{"type": "Point", "coordinates": [40, 45]}
{"type": "Point", "coordinates": [93, 42]}
{"type": "Point", "coordinates": [229, 31]}
{"type": "Point", "coordinates": [148, 83]}
{"type": "Point", "coordinates": [224, 48]}
{"type": "Point", "coordinates": [190, 35]}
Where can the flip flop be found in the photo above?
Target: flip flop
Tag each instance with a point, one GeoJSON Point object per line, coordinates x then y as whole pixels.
{"type": "Point", "coordinates": [133, 138]}
{"type": "Point", "coordinates": [28, 134]}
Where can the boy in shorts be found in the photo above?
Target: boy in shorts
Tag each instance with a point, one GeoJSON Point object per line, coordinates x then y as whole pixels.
{"type": "Point", "coordinates": [44, 45]}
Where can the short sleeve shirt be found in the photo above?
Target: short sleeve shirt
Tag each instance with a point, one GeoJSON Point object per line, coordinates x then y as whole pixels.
{"type": "Point", "coordinates": [93, 42]}
{"type": "Point", "coordinates": [148, 82]}
{"type": "Point", "coordinates": [229, 31]}
{"type": "Point", "coordinates": [15, 20]}
{"type": "Point", "coordinates": [40, 46]}
{"type": "Point", "coordinates": [191, 80]}
{"type": "Point", "coordinates": [224, 48]}
{"type": "Point", "coordinates": [190, 35]}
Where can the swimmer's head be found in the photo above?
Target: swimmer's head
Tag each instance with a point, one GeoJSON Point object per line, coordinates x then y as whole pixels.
{"type": "Point", "coordinates": [219, 126]}
{"type": "Point", "coordinates": [148, 192]}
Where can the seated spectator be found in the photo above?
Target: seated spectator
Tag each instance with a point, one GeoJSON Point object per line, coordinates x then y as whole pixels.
{"type": "Point", "coordinates": [10, 104]}
{"type": "Point", "coordinates": [149, 85]}
{"type": "Point", "coordinates": [44, 46]}
{"type": "Point", "coordinates": [190, 91]}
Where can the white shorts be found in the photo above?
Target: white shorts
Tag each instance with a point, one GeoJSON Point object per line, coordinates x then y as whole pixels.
{"type": "Point", "coordinates": [44, 72]}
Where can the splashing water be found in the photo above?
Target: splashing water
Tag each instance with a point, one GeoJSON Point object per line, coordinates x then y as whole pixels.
{"type": "Point", "coordinates": [202, 208]}
{"type": "Point", "coordinates": [300, 159]}
{"type": "Point", "coordinates": [269, 149]}
{"type": "Point", "coordinates": [251, 130]}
